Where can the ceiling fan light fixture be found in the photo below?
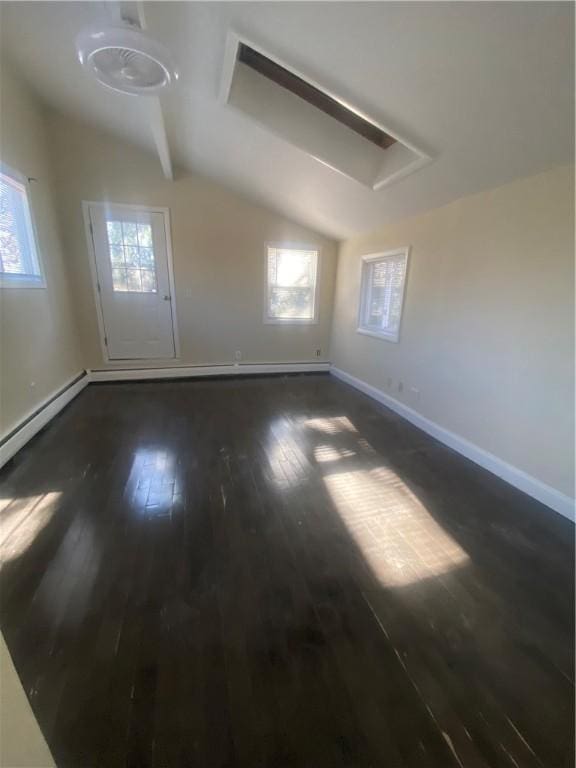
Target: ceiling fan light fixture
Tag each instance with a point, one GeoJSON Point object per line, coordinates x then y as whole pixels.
{"type": "Point", "coordinates": [126, 60]}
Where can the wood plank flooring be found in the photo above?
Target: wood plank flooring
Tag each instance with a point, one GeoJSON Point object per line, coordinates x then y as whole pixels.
{"type": "Point", "coordinates": [279, 572]}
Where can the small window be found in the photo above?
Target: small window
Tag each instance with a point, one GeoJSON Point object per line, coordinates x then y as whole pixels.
{"type": "Point", "coordinates": [19, 264]}
{"type": "Point", "coordinates": [131, 251]}
{"type": "Point", "coordinates": [382, 293]}
{"type": "Point", "coordinates": [292, 281]}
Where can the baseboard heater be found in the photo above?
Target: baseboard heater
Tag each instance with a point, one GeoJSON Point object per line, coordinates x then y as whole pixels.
{"type": "Point", "coordinates": [200, 371]}
{"type": "Point", "coordinates": [17, 438]}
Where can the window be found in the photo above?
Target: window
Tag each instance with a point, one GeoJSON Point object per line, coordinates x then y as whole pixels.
{"type": "Point", "coordinates": [19, 264]}
{"type": "Point", "coordinates": [131, 252]}
{"type": "Point", "coordinates": [292, 281]}
{"type": "Point", "coordinates": [382, 293]}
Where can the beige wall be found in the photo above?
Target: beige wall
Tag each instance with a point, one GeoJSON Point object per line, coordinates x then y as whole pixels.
{"type": "Point", "coordinates": [487, 330]}
{"type": "Point", "coordinates": [218, 241]}
{"type": "Point", "coordinates": [39, 350]}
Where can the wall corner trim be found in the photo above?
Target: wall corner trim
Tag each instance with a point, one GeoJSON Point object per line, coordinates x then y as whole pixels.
{"type": "Point", "coordinates": [540, 491]}
{"type": "Point", "coordinates": [11, 443]}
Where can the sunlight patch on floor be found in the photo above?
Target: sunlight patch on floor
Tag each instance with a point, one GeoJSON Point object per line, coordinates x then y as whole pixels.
{"type": "Point", "coordinates": [24, 521]}
{"type": "Point", "coordinates": [401, 541]}
{"type": "Point", "coordinates": [5, 503]}
{"type": "Point", "coordinates": [331, 425]}
{"type": "Point", "coordinates": [326, 453]}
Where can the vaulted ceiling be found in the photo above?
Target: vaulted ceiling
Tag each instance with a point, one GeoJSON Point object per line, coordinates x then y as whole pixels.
{"type": "Point", "coordinates": [486, 88]}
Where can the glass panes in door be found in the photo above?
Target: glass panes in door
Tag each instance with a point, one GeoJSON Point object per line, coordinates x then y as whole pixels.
{"type": "Point", "coordinates": [131, 256]}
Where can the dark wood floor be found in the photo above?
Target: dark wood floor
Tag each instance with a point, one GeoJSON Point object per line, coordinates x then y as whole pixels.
{"type": "Point", "coordinates": [280, 572]}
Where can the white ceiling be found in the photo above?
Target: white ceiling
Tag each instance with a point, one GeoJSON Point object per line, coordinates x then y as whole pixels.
{"type": "Point", "coordinates": [486, 87]}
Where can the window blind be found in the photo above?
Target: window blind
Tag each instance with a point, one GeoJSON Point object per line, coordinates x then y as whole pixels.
{"type": "Point", "coordinates": [382, 293]}
{"type": "Point", "coordinates": [18, 257]}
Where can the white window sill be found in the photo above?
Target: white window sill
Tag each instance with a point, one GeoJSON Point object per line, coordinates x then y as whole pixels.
{"type": "Point", "coordinates": [21, 281]}
{"type": "Point", "coordinates": [289, 321]}
{"type": "Point", "coordinates": [393, 337]}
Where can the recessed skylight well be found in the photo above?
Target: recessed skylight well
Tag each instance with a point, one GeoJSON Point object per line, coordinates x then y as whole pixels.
{"type": "Point", "coordinates": [319, 99]}
{"type": "Point", "coordinates": [301, 111]}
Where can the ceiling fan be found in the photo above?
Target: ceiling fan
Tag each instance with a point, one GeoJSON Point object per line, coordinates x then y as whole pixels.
{"type": "Point", "coordinates": [123, 57]}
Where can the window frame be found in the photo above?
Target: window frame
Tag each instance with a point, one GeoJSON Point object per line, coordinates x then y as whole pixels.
{"type": "Point", "coordinates": [366, 261]}
{"type": "Point", "coordinates": [11, 279]}
{"type": "Point", "coordinates": [292, 246]}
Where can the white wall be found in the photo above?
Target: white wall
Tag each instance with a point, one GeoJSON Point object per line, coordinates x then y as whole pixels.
{"type": "Point", "coordinates": [39, 349]}
{"type": "Point", "coordinates": [218, 243]}
{"type": "Point", "coordinates": [488, 325]}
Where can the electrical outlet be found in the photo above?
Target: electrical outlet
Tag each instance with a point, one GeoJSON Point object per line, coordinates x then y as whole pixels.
{"type": "Point", "coordinates": [318, 353]}
{"type": "Point", "coordinates": [400, 386]}
{"type": "Point", "coordinates": [238, 355]}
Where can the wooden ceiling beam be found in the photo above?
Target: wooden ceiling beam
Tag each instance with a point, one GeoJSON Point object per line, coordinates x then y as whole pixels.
{"type": "Point", "coordinates": [314, 96]}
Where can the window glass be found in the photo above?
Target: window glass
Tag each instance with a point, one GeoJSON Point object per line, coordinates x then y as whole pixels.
{"type": "Point", "coordinates": [131, 256]}
{"type": "Point", "coordinates": [19, 263]}
{"type": "Point", "coordinates": [292, 275]}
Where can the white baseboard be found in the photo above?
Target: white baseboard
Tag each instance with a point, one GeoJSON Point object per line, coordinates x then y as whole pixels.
{"type": "Point", "coordinates": [544, 493]}
{"type": "Point", "coordinates": [41, 415]}
{"type": "Point", "coordinates": [198, 371]}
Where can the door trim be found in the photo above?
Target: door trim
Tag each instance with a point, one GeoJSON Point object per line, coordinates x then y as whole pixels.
{"type": "Point", "coordinates": [86, 204]}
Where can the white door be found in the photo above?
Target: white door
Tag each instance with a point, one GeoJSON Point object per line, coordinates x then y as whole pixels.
{"type": "Point", "coordinates": [130, 248]}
